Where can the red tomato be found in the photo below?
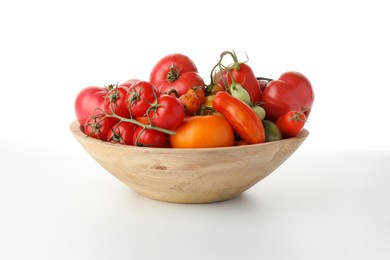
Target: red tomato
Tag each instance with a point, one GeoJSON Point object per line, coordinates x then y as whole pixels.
{"type": "Point", "coordinates": [88, 101]}
{"type": "Point", "coordinates": [203, 132]}
{"type": "Point", "coordinates": [168, 112]}
{"type": "Point", "coordinates": [242, 74]}
{"type": "Point", "coordinates": [129, 82]}
{"type": "Point", "coordinates": [139, 97]}
{"type": "Point", "coordinates": [292, 91]}
{"type": "Point", "coordinates": [241, 117]}
{"type": "Point", "coordinates": [116, 102]}
{"type": "Point", "coordinates": [291, 123]}
{"type": "Point", "coordinates": [121, 133]}
{"type": "Point", "coordinates": [175, 71]}
{"type": "Point", "coordinates": [98, 126]}
{"type": "Point", "coordinates": [149, 138]}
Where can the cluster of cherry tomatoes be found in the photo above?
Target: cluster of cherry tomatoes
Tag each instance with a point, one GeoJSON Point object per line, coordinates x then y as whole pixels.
{"type": "Point", "coordinates": [175, 108]}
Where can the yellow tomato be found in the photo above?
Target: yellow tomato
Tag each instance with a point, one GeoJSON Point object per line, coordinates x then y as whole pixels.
{"type": "Point", "coordinates": [208, 101]}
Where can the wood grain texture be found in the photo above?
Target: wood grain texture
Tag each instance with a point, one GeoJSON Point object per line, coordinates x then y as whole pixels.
{"type": "Point", "coordinates": [201, 175]}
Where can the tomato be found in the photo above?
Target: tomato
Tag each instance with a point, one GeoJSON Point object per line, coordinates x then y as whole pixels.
{"type": "Point", "coordinates": [197, 91]}
{"type": "Point", "coordinates": [149, 138]}
{"type": "Point", "coordinates": [260, 112]}
{"type": "Point", "coordinates": [208, 101]}
{"type": "Point", "coordinates": [143, 119]}
{"type": "Point", "coordinates": [242, 74]}
{"type": "Point", "coordinates": [203, 132]}
{"type": "Point", "coordinates": [237, 91]}
{"type": "Point", "coordinates": [139, 97]}
{"type": "Point", "coordinates": [167, 112]}
{"type": "Point", "coordinates": [242, 117]}
{"type": "Point", "coordinates": [175, 71]}
{"type": "Point", "coordinates": [129, 82]}
{"type": "Point", "coordinates": [121, 133]}
{"type": "Point", "coordinates": [214, 88]}
{"type": "Point", "coordinates": [291, 123]}
{"type": "Point", "coordinates": [192, 104]}
{"type": "Point", "coordinates": [272, 131]}
{"type": "Point", "coordinates": [116, 102]}
{"type": "Point", "coordinates": [292, 91]}
{"type": "Point", "coordinates": [98, 126]}
{"type": "Point", "coordinates": [88, 101]}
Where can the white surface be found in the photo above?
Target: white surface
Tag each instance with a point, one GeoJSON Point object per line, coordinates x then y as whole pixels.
{"type": "Point", "coordinates": [318, 205]}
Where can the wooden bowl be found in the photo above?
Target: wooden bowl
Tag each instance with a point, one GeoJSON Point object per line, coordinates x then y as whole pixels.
{"type": "Point", "coordinates": [199, 175]}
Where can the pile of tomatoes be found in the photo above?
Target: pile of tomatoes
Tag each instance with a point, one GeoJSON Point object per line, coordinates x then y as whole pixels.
{"type": "Point", "coordinates": [176, 108]}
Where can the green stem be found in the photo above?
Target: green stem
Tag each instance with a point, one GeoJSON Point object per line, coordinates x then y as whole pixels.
{"type": "Point", "coordinates": [173, 74]}
{"type": "Point", "coordinates": [236, 63]}
{"type": "Point", "coordinates": [133, 121]}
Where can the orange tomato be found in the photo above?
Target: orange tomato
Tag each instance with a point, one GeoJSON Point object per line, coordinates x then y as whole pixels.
{"type": "Point", "coordinates": [197, 91]}
{"type": "Point", "coordinates": [192, 104]}
{"type": "Point", "coordinates": [203, 132]}
{"type": "Point", "coordinates": [144, 120]}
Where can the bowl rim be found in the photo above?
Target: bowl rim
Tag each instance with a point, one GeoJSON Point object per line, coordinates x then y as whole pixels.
{"type": "Point", "coordinates": [76, 131]}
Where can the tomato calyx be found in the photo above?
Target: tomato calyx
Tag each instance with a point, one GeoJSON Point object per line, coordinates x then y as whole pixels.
{"type": "Point", "coordinates": [112, 96]}
{"type": "Point", "coordinates": [153, 109]}
{"type": "Point", "coordinates": [297, 116]}
{"type": "Point", "coordinates": [134, 96]}
{"type": "Point", "coordinates": [95, 126]}
{"type": "Point", "coordinates": [116, 137]}
{"type": "Point", "coordinates": [173, 73]}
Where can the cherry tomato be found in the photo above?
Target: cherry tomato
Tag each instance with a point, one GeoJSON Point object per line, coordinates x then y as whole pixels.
{"type": "Point", "coordinates": [175, 71]}
{"type": "Point", "coordinates": [167, 112]}
{"type": "Point", "coordinates": [272, 131]}
{"type": "Point", "coordinates": [292, 91]}
{"type": "Point", "coordinates": [88, 101]}
{"type": "Point", "coordinates": [129, 82]}
{"type": "Point", "coordinates": [98, 126]}
{"type": "Point", "coordinates": [291, 123]}
{"type": "Point", "coordinates": [260, 112]}
{"type": "Point", "coordinates": [213, 89]}
{"type": "Point", "coordinates": [203, 132]}
{"type": "Point", "coordinates": [139, 97]}
{"type": "Point", "coordinates": [192, 104]}
{"type": "Point", "coordinates": [208, 101]}
{"type": "Point", "coordinates": [149, 138]}
{"type": "Point", "coordinates": [116, 102]}
{"type": "Point", "coordinates": [121, 133]}
{"type": "Point", "coordinates": [197, 91]}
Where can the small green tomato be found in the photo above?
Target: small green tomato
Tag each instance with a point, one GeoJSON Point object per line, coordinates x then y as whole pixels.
{"type": "Point", "coordinates": [237, 91]}
{"type": "Point", "coordinates": [260, 112]}
{"type": "Point", "coordinates": [272, 131]}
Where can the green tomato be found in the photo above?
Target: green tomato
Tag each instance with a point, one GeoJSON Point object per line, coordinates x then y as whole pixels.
{"type": "Point", "coordinates": [260, 112]}
{"type": "Point", "coordinates": [272, 131]}
{"type": "Point", "coordinates": [237, 91]}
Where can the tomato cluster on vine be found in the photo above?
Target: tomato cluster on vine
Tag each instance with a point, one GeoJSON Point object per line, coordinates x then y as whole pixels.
{"type": "Point", "coordinates": [175, 108]}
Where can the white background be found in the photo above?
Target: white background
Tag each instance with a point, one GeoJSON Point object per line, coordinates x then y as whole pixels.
{"type": "Point", "coordinates": [329, 201]}
{"type": "Point", "coordinates": [50, 50]}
